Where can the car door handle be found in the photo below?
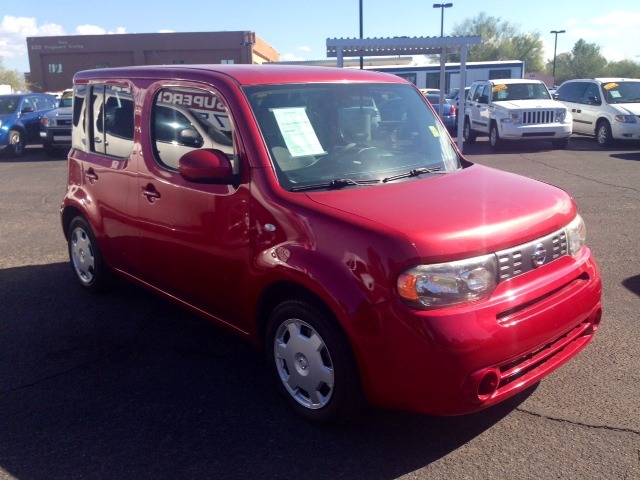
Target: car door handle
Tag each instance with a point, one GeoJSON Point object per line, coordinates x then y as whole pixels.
{"type": "Point", "coordinates": [150, 193]}
{"type": "Point", "coordinates": [97, 140]}
{"type": "Point", "coordinates": [91, 175]}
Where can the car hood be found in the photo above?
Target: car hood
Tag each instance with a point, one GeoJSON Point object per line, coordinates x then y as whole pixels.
{"type": "Point", "coordinates": [60, 112]}
{"type": "Point", "coordinates": [469, 212]}
{"type": "Point", "coordinates": [530, 104]}
{"type": "Point", "coordinates": [627, 108]}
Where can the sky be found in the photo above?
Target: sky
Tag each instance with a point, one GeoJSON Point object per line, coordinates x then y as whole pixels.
{"type": "Point", "coordinates": [298, 29]}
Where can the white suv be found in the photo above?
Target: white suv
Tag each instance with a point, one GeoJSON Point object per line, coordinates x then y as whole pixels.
{"type": "Point", "coordinates": [605, 107]}
{"type": "Point", "coordinates": [515, 109]}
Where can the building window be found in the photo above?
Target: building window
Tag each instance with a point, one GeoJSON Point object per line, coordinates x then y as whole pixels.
{"type": "Point", "coordinates": [55, 68]}
{"type": "Point", "coordinates": [493, 74]}
{"type": "Point", "coordinates": [227, 61]}
{"type": "Point", "coordinates": [102, 64]}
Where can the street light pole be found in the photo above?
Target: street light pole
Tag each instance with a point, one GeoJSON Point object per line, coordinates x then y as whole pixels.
{"type": "Point", "coordinates": [555, 48]}
{"type": "Point", "coordinates": [361, 33]}
{"type": "Point", "coordinates": [442, 6]}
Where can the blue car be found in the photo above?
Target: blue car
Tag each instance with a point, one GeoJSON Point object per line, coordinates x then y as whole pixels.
{"type": "Point", "coordinates": [20, 115]}
{"type": "Point", "coordinates": [450, 113]}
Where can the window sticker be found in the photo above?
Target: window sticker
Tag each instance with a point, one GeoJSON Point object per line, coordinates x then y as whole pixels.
{"type": "Point", "coordinates": [609, 86]}
{"type": "Point", "coordinates": [615, 94]}
{"type": "Point", "coordinates": [499, 88]}
{"type": "Point", "coordinates": [434, 131]}
{"type": "Point", "coordinates": [297, 131]}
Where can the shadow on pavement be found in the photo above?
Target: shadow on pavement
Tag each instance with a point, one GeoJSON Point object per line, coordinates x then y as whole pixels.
{"type": "Point", "coordinates": [126, 385]}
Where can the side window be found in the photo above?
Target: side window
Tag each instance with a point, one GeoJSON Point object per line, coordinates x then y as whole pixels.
{"type": "Point", "coordinates": [591, 95]}
{"type": "Point", "coordinates": [27, 105]}
{"type": "Point", "coordinates": [185, 119]}
{"type": "Point", "coordinates": [78, 131]}
{"type": "Point", "coordinates": [477, 93]}
{"type": "Point", "coordinates": [112, 117]}
{"type": "Point", "coordinates": [571, 92]}
{"type": "Point", "coordinates": [486, 94]}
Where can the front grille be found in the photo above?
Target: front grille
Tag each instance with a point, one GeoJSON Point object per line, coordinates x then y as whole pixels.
{"type": "Point", "coordinates": [523, 258]}
{"type": "Point", "coordinates": [537, 117]}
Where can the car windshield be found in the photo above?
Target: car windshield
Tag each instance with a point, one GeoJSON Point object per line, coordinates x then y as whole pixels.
{"type": "Point", "coordinates": [622, 92]}
{"type": "Point", "coordinates": [520, 91]}
{"type": "Point", "coordinates": [8, 104]}
{"type": "Point", "coordinates": [341, 135]}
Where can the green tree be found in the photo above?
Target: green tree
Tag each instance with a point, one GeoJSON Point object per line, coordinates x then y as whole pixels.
{"type": "Point", "coordinates": [623, 68]}
{"type": "Point", "coordinates": [500, 41]}
{"type": "Point", "coordinates": [12, 77]}
{"type": "Point", "coordinates": [584, 61]}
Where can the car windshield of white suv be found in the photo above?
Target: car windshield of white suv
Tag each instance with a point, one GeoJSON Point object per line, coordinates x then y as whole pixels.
{"type": "Point", "coordinates": [520, 91]}
{"type": "Point", "coordinates": [325, 136]}
{"type": "Point", "coordinates": [622, 92]}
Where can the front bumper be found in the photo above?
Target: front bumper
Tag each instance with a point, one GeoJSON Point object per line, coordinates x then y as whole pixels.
{"type": "Point", "coordinates": [551, 131]}
{"type": "Point", "coordinates": [460, 360]}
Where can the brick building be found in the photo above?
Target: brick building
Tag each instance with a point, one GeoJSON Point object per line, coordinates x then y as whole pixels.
{"type": "Point", "coordinates": [54, 60]}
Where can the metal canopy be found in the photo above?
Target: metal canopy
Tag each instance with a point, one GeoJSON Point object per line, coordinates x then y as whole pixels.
{"type": "Point", "coordinates": [372, 47]}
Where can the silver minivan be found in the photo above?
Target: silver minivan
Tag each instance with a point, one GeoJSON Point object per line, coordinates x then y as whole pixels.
{"type": "Point", "coordinates": [607, 108]}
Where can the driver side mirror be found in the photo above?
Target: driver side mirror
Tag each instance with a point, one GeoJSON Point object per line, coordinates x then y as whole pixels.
{"type": "Point", "coordinates": [206, 166]}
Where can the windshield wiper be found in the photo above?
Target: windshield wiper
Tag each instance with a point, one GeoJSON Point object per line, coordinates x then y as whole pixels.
{"type": "Point", "coordinates": [336, 183]}
{"type": "Point", "coordinates": [413, 173]}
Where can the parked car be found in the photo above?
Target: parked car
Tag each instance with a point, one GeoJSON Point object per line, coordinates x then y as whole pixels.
{"type": "Point", "coordinates": [20, 120]}
{"type": "Point", "coordinates": [454, 96]}
{"type": "Point", "coordinates": [449, 113]}
{"type": "Point", "coordinates": [607, 108]}
{"type": "Point", "coordinates": [515, 109]}
{"type": "Point", "coordinates": [368, 258]}
{"type": "Point", "coordinates": [55, 126]}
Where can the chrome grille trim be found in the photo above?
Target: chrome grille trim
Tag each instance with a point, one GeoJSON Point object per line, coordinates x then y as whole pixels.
{"type": "Point", "coordinates": [537, 117]}
{"type": "Point", "coordinates": [524, 258]}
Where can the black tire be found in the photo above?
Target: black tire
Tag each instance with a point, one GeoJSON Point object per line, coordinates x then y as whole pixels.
{"type": "Point", "coordinates": [467, 133]}
{"type": "Point", "coordinates": [87, 264]}
{"type": "Point", "coordinates": [494, 137]}
{"type": "Point", "coordinates": [603, 134]}
{"type": "Point", "coordinates": [312, 363]}
{"type": "Point", "coordinates": [15, 143]}
{"type": "Point", "coordinates": [560, 144]}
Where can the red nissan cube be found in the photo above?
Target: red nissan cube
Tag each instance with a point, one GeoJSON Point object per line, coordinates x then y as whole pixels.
{"type": "Point", "coordinates": [326, 216]}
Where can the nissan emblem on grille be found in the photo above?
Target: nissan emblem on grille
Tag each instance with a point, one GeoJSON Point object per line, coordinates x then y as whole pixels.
{"type": "Point", "coordinates": [539, 255]}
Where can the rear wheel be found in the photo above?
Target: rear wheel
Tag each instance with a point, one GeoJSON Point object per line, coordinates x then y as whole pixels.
{"type": "Point", "coordinates": [86, 260]}
{"type": "Point", "coordinates": [312, 362]}
{"type": "Point", "coordinates": [603, 134]}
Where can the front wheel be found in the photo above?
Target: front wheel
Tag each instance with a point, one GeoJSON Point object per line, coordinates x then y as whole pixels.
{"type": "Point", "coordinates": [494, 137]}
{"type": "Point", "coordinates": [86, 260]}
{"type": "Point", "coordinates": [603, 134]}
{"type": "Point", "coordinates": [312, 362]}
{"type": "Point", "coordinates": [467, 133]}
{"type": "Point", "coordinates": [16, 143]}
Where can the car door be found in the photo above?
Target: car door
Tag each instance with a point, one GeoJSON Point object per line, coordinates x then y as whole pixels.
{"type": "Point", "coordinates": [194, 236]}
{"type": "Point", "coordinates": [108, 171]}
{"type": "Point", "coordinates": [480, 114]}
{"type": "Point", "coordinates": [30, 118]}
{"type": "Point", "coordinates": [571, 94]}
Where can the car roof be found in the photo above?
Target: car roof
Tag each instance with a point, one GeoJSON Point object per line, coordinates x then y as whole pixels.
{"type": "Point", "coordinates": [242, 74]}
{"type": "Point", "coordinates": [501, 81]}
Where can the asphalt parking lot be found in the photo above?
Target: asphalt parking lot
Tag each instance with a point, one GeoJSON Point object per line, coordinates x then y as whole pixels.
{"type": "Point", "coordinates": [128, 386]}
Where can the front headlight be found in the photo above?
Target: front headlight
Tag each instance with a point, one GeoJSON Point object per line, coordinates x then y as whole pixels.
{"type": "Point", "coordinates": [561, 114]}
{"type": "Point", "coordinates": [512, 117]}
{"type": "Point", "coordinates": [626, 118]}
{"type": "Point", "coordinates": [451, 283]}
{"type": "Point", "coordinates": [576, 236]}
